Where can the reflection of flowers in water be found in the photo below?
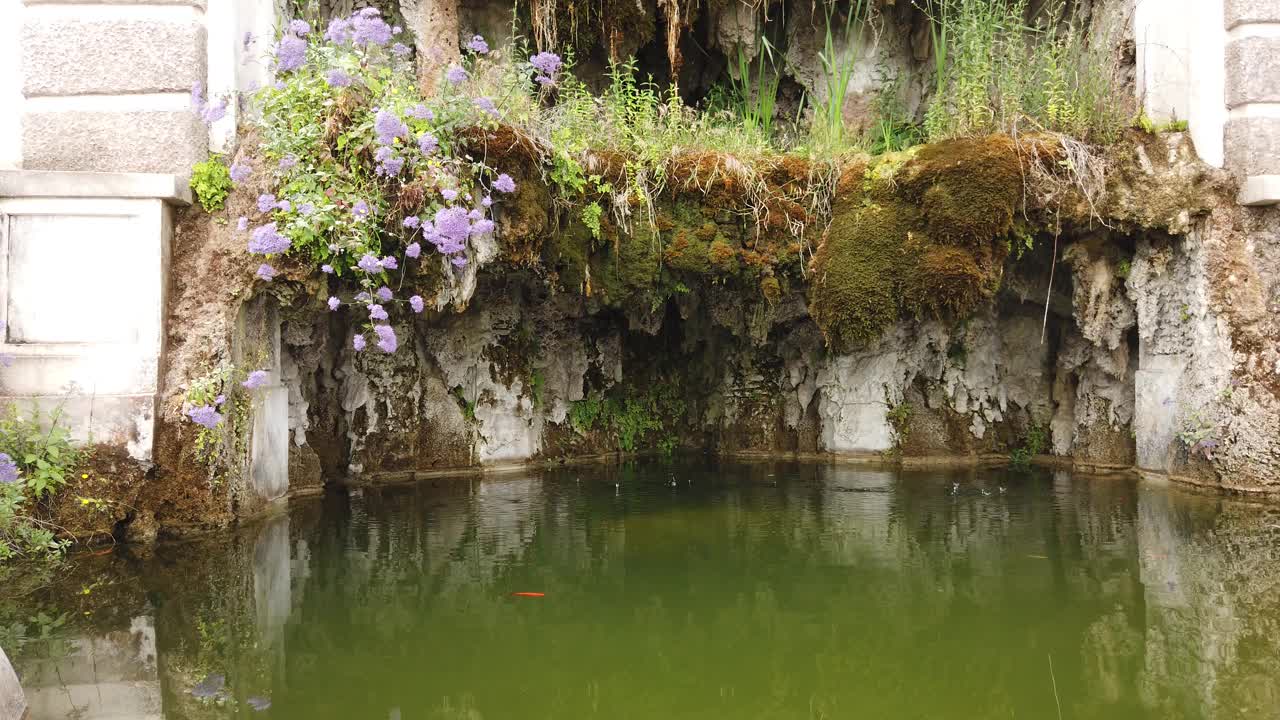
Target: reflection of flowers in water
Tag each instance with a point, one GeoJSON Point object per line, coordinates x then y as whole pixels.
{"type": "Point", "coordinates": [212, 687]}
{"type": "Point", "coordinates": [259, 703]}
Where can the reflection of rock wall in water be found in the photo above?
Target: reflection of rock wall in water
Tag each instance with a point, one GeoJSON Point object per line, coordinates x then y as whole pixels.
{"type": "Point", "coordinates": [1212, 592]}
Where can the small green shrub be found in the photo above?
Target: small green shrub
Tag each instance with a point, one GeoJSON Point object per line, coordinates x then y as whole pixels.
{"type": "Point", "coordinates": [1033, 444]}
{"type": "Point", "coordinates": [37, 459]}
{"type": "Point", "coordinates": [211, 182]}
{"type": "Point", "coordinates": [899, 418]}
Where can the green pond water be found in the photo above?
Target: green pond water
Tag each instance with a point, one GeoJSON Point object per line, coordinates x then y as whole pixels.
{"type": "Point", "coordinates": [686, 589]}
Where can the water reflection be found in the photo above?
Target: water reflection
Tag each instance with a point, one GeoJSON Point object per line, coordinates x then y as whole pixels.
{"type": "Point", "coordinates": [759, 590]}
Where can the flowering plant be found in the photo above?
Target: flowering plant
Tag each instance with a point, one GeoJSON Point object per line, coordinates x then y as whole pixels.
{"type": "Point", "coordinates": [367, 176]}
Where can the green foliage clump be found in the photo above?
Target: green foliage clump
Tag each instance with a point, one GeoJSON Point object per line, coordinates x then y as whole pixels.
{"type": "Point", "coordinates": [224, 446]}
{"type": "Point", "coordinates": [1035, 443]}
{"type": "Point", "coordinates": [211, 182]}
{"type": "Point", "coordinates": [899, 418]}
{"type": "Point", "coordinates": [633, 417]}
{"type": "Point", "coordinates": [39, 448]}
{"type": "Point", "coordinates": [995, 73]}
{"type": "Point", "coordinates": [925, 233]}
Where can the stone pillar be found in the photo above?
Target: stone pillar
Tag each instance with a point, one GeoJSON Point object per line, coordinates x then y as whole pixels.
{"type": "Point", "coordinates": [108, 87]}
{"type": "Point", "coordinates": [83, 267]}
{"type": "Point", "coordinates": [1180, 68]}
{"type": "Point", "coordinates": [434, 24]}
{"type": "Point", "coordinates": [13, 705]}
{"type": "Point", "coordinates": [1253, 98]}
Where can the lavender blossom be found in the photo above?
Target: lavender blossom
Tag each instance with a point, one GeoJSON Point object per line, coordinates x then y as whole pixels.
{"type": "Point", "coordinates": [388, 127]}
{"type": "Point", "coordinates": [504, 184]}
{"type": "Point", "coordinates": [411, 222]}
{"type": "Point", "coordinates": [284, 205]}
{"type": "Point", "coordinates": [291, 53]}
{"type": "Point", "coordinates": [478, 46]}
{"type": "Point", "coordinates": [389, 164]}
{"type": "Point", "coordinates": [451, 229]}
{"type": "Point", "coordinates": [242, 224]}
{"type": "Point", "coordinates": [214, 113]}
{"type": "Point", "coordinates": [8, 469]}
{"type": "Point", "coordinates": [389, 263]}
{"type": "Point", "coordinates": [288, 162]}
{"type": "Point", "coordinates": [386, 338]}
{"type": "Point", "coordinates": [266, 272]}
{"type": "Point", "coordinates": [486, 201]}
{"type": "Point", "coordinates": [267, 240]}
{"type": "Point", "coordinates": [256, 379]}
{"type": "Point", "coordinates": [482, 227]}
{"type": "Point", "coordinates": [486, 105]}
{"type": "Point", "coordinates": [369, 264]}
{"type": "Point", "coordinates": [413, 250]}
{"type": "Point", "coordinates": [384, 293]}
{"type": "Point", "coordinates": [339, 31]}
{"type": "Point", "coordinates": [333, 303]}
{"type": "Point", "coordinates": [306, 209]}
{"type": "Point", "coordinates": [360, 210]}
{"type": "Point", "coordinates": [266, 202]}
{"type": "Point", "coordinates": [358, 342]}
{"type": "Point", "coordinates": [421, 112]}
{"type": "Point", "coordinates": [240, 171]}
{"type": "Point", "coordinates": [455, 74]}
{"type": "Point", "coordinates": [427, 143]}
{"type": "Point", "coordinates": [459, 261]}
{"type": "Point", "coordinates": [299, 27]}
{"type": "Point", "coordinates": [545, 63]}
{"type": "Point", "coordinates": [205, 416]}
{"type": "Point", "coordinates": [416, 303]}
{"type": "Point", "coordinates": [400, 50]}
{"type": "Point", "coordinates": [337, 78]}
{"type": "Point", "coordinates": [326, 269]}
{"type": "Point", "coordinates": [449, 194]}
{"type": "Point", "coordinates": [369, 29]}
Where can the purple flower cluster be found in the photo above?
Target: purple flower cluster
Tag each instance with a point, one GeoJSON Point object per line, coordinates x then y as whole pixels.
{"type": "Point", "coordinates": [486, 104]}
{"type": "Point", "coordinates": [205, 416]}
{"type": "Point", "coordinates": [360, 210]}
{"type": "Point", "coordinates": [416, 303]}
{"type": "Point", "coordinates": [384, 294]}
{"type": "Point", "coordinates": [377, 312]}
{"type": "Point", "coordinates": [256, 379]}
{"type": "Point", "coordinates": [427, 143]}
{"type": "Point", "coordinates": [337, 78]}
{"type": "Point", "coordinates": [478, 46]}
{"type": "Point", "coordinates": [400, 50]}
{"type": "Point", "coordinates": [365, 27]}
{"type": "Point", "coordinates": [267, 240]}
{"type": "Point", "coordinates": [421, 112]}
{"type": "Point", "coordinates": [266, 272]}
{"type": "Point", "coordinates": [241, 171]}
{"type": "Point", "coordinates": [505, 184]}
{"type": "Point", "coordinates": [389, 164]}
{"type": "Point", "coordinates": [386, 338]}
{"type": "Point", "coordinates": [242, 224]}
{"type": "Point", "coordinates": [288, 162]}
{"type": "Point", "coordinates": [8, 469]}
{"type": "Point", "coordinates": [299, 27]}
{"type": "Point", "coordinates": [388, 127]}
{"type": "Point", "coordinates": [358, 342]}
{"type": "Point", "coordinates": [546, 64]}
{"type": "Point", "coordinates": [370, 264]}
{"type": "Point", "coordinates": [291, 53]}
{"type": "Point", "coordinates": [368, 28]}
{"type": "Point", "coordinates": [334, 303]}
{"type": "Point", "coordinates": [455, 74]}
{"type": "Point", "coordinates": [209, 112]}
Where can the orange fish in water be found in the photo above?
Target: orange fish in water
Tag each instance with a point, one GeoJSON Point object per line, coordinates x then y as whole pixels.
{"type": "Point", "coordinates": [528, 594]}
